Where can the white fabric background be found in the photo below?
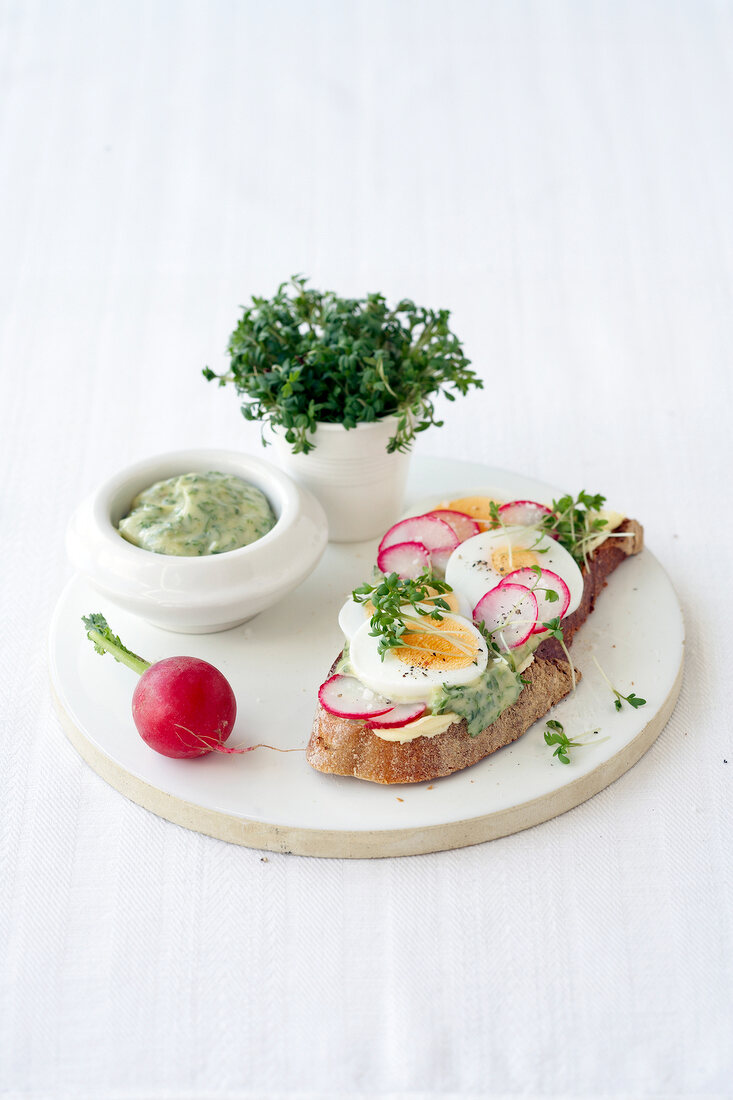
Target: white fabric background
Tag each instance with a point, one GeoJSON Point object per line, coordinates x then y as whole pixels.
{"type": "Point", "coordinates": [560, 175]}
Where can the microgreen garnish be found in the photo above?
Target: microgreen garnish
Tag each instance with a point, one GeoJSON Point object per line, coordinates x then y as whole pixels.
{"type": "Point", "coordinates": [551, 595]}
{"type": "Point", "coordinates": [488, 637]}
{"type": "Point", "coordinates": [554, 629]}
{"type": "Point", "coordinates": [575, 522]}
{"type": "Point", "coordinates": [306, 356]}
{"type": "Point", "coordinates": [632, 699]}
{"type": "Point", "coordinates": [555, 735]}
{"type": "Point", "coordinates": [391, 599]}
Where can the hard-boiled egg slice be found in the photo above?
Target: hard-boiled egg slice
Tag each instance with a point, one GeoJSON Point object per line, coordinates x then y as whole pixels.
{"type": "Point", "coordinates": [482, 562]}
{"type": "Point", "coordinates": [447, 652]}
{"type": "Point", "coordinates": [352, 615]}
{"type": "Point", "coordinates": [477, 507]}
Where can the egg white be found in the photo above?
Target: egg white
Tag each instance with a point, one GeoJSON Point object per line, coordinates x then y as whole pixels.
{"type": "Point", "coordinates": [405, 683]}
{"type": "Point", "coordinates": [352, 615]}
{"type": "Point", "coordinates": [470, 571]}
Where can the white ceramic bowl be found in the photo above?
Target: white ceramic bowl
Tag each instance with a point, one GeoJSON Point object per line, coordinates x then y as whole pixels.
{"type": "Point", "coordinates": [203, 594]}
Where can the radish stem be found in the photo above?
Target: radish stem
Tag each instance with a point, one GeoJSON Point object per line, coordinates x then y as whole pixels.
{"type": "Point", "coordinates": [105, 641]}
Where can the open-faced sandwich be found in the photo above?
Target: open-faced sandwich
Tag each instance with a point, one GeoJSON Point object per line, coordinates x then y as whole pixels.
{"type": "Point", "coordinates": [459, 643]}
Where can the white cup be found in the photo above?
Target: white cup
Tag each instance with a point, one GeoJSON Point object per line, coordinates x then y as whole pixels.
{"type": "Point", "coordinates": [360, 485]}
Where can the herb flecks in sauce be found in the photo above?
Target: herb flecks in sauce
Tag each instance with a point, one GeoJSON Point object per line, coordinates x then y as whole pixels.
{"type": "Point", "coordinates": [483, 701]}
{"type": "Point", "coordinates": [196, 514]}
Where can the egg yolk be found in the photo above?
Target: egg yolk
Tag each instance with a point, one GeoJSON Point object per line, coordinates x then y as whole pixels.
{"type": "Point", "coordinates": [505, 559]}
{"type": "Point", "coordinates": [478, 508]}
{"type": "Point", "coordinates": [439, 645]}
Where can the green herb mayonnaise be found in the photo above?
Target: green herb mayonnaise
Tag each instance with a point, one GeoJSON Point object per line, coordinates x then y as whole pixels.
{"type": "Point", "coordinates": [197, 514]}
{"type": "Point", "coordinates": [483, 701]}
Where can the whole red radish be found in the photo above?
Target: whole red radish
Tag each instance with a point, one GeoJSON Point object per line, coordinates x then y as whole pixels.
{"type": "Point", "coordinates": [181, 706]}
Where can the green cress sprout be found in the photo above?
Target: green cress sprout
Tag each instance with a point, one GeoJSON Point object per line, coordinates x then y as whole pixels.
{"type": "Point", "coordinates": [555, 735]}
{"type": "Point", "coordinates": [391, 598]}
{"type": "Point", "coordinates": [307, 355]}
{"type": "Point", "coordinates": [633, 700]}
{"type": "Point", "coordinates": [550, 594]}
{"type": "Point", "coordinates": [575, 523]}
{"type": "Point", "coordinates": [554, 630]}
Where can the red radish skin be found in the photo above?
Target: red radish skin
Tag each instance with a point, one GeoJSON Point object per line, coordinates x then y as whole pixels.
{"type": "Point", "coordinates": [409, 560]}
{"type": "Point", "coordinates": [400, 715]}
{"type": "Point", "coordinates": [432, 533]}
{"type": "Point", "coordinates": [546, 609]}
{"type": "Point", "coordinates": [184, 707]}
{"type": "Point", "coordinates": [509, 612]}
{"type": "Point", "coordinates": [347, 697]}
{"type": "Point", "coordinates": [523, 513]}
{"type": "Point", "coordinates": [462, 524]}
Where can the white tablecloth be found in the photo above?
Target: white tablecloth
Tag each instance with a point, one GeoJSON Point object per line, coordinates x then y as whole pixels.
{"type": "Point", "coordinates": [560, 176]}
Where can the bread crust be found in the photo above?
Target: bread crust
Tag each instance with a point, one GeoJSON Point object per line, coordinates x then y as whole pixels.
{"type": "Point", "coordinates": [343, 746]}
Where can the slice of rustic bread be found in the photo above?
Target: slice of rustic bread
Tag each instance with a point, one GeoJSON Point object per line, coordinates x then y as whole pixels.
{"type": "Point", "coordinates": [344, 746]}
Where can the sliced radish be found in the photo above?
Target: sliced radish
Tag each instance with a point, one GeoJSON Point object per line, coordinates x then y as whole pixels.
{"type": "Point", "coordinates": [523, 513]}
{"type": "Point", "coordinates": [408, 559]}
{"type": "Point", "coordinates": [433, 533]}
{"type": "Point", "coordinates": [463, 525]}
{"type": "Point", "coordinates": [547, 579]}
{"type": "Point", "coordinates": [400, 715]}
{"type": "Point", "coordinates": [347, 697]}
{"type": "Point", "coordinates": [439, 560]}
{"type": "Point", "coordinates": [509, 612]}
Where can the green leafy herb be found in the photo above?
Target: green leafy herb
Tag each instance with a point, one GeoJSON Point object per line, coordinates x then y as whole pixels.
{"type": "Point", "coordinates": [496, 520]}
{"type": "Point", "coordinates": [391, 599]}
{"type": "Point", "coordinates": [575, 522]}
{"type": "Point", "coordinates": [99, 632]}
{"type": "Point", "coordinates": [488, 637]}
{"type": "Point", "coordinates": [632, 699]}
{"type": "Point", "coordinates": [554, 629]}
{"type": "Point", "coordinates": [551, 595]}
{"type": "Point", "coordinates": [555, 735]}
{"type": "Point", "coordinates": [306, 356]}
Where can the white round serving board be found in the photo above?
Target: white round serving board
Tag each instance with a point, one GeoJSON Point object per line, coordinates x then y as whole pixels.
{"type": "Point", "coordinates": [275, 663]}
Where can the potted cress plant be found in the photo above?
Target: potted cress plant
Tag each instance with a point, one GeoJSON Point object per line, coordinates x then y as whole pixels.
{"type": "Point", "coordinates": [345, 384]}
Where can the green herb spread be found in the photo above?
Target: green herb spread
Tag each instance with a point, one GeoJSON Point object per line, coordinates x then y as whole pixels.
{"type": "Point", "coordinates": [197, 514]}
{"type": "Point", "coordinates": [481, 702]}
{"type": "Point", "coordinates": [484, 700]}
